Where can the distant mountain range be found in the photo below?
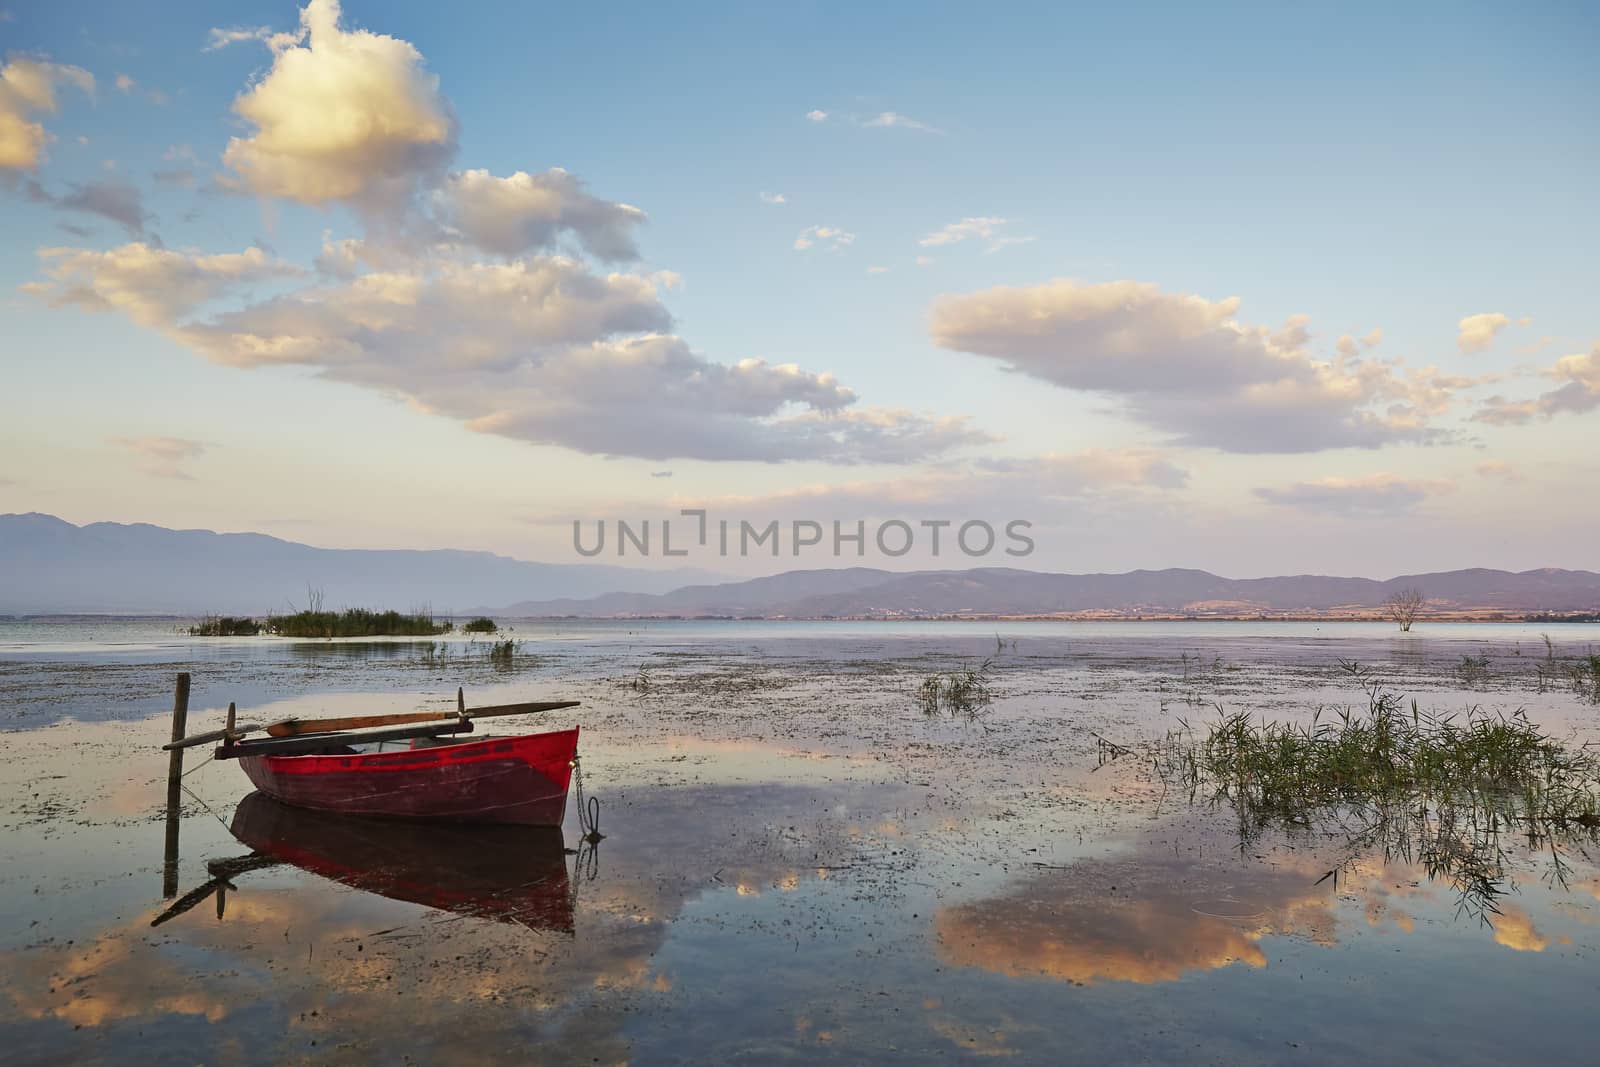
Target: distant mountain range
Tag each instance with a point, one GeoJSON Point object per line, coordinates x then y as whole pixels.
{"type": "Point", "coordinates": [995, 591]}
{"type": "Point", "coordinates": [51, 566]}
{"type": "Point", "coordinates": [48, 565]}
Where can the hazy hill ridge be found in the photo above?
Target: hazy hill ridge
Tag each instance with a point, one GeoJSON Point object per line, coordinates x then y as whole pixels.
{"type": "Point", "coordinates": [50, 565]}
{"type": "Point", "coordinates": [866, 593]}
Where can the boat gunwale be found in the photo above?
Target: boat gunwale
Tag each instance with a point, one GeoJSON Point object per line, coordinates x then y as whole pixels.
{"type": "Point", "coordinates": [409, 758]}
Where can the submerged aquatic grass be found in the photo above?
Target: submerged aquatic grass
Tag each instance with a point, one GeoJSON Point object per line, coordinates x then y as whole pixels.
{"type": "Point", "coordinates": [960, 692]}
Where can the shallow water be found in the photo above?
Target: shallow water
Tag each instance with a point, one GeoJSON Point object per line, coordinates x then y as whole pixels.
{"type": "Point", "coordinates": [798, 864]}
{"type": "Point", "coordinates": [100, 668]}
{"type": "Point", "coordinates": [102, 634]}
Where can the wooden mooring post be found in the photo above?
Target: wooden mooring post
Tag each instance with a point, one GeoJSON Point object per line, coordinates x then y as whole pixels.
{"type": "Point", "coordinates": [180, 721]}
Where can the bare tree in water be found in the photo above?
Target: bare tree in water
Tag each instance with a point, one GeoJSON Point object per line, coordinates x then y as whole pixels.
{"type": "Point", "coordinates": [1403, 606]}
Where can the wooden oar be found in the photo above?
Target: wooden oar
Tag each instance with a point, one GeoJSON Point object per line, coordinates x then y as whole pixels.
{"type": "Point", "coordinates": [214, 735]}
{"type": "Point", "coordinates": [297, 727]}
{"type": "Point", "coordinates": [309, 743]}
{"type": "Point", "coordinates": [230, 732]}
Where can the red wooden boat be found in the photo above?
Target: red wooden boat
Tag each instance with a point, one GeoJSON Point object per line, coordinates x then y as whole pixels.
{"type": "Point", "coordinates": [521, 779]}
{"type": "Point", "coordinates": [509, 873]}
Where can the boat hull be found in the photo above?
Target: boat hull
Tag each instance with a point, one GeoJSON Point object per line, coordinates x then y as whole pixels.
{"type": "Point", "coordinates": [521, 780]}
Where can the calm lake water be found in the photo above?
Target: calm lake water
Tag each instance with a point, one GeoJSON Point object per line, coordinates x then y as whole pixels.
{"type": "Point", "coordinates": [145, 634]}
{"type": "Point", "coordinates": [799, 863]}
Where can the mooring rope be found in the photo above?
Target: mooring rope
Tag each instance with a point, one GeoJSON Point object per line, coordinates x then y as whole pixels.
{"type": "Point", "coordinates": [588, 815]}
{"type": "Point", "coordinates": [197, 766]}
{"type": "Point", "coordinates": [209, 810]}
{"type": "Point", "coordinates": [586, 858]}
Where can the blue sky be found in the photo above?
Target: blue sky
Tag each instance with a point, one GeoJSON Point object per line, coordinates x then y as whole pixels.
{"type": "Point", "coordinates": [1370, 169]}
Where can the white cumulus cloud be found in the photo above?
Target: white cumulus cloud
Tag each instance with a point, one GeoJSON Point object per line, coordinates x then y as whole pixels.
{"type": "Point", "coordinates": [981, 228]}
{"type": "Point", "coordinates": [222, 38]}
{"type": "Point", "coordinates": [957, 232]}
{"type": "Point", "coordinates": [1350, 347]}
{"type": "Point", "coordinates": [1186, 365]}
{"type": "Point", "coordinates": [468, 295]}
{"type": "Point", "coordinates": [153, 286]}
{"type": "Point", "coordinates": [831, 236]}
{"type": "Point", "coordinates": [1477, 332]}
{"type": "Point", "coordinates": [1579, 393]}
{"type": "Point", "coordinates": [341, 115]}
{"type": "Point", "coordinates": [535, 349]}
{"type": "Point", "coordinates": [27, 90]}
{"type": "Point", "coordinates": [531, 212]}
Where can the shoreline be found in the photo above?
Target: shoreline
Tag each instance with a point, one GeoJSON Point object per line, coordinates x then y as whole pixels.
{"type": "Point", "coordinates": [1467, 615]}
{"type": "Point", "coordinates": [1090, 616]}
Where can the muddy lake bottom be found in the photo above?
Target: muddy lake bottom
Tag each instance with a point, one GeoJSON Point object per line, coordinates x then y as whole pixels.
{"type": "Point", "coordinates": [799, 863]}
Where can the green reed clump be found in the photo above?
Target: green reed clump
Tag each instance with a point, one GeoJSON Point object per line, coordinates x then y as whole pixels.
{"type": "Point", "coordinates": [1474, 669]}
{"type": "Point", "coordinates": [1585, 675]}
{"type": "Point", "coordinates": [481, 625]}
{"type": "Point", "coordinates": [1288, 769]}
{"type": "Point", "coordinates": [1444, 789]}
{"type": "Point", "coordinates": [225, 626]}
{"type": "Point", "coordinates": [500, 653]}
{"type": "Point", "coordinates": [961, 692]}
{"type": "Point", "coordinates": [1450, 792]}
{"type": "Point", "coordinates": [356, 622]}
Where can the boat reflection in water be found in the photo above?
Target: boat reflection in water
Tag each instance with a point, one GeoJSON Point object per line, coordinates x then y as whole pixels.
{"type": "Point", "coordinates": [507, 873]}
